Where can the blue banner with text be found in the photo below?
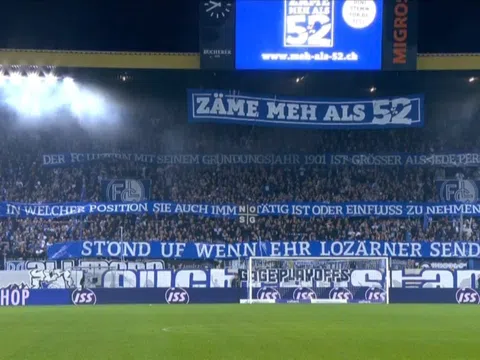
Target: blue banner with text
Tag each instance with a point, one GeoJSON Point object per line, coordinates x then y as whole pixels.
{"type": "Point", "coordinates": [176, 250]}
{"type": "Point", "coordinates": [220, 106]}
{"type": "Point", "coordinates": [290, 159]}
{"type": "Point", "coordinates": [351, 209]}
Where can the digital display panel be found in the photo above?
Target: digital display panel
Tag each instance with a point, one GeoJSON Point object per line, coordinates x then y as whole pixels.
{"type": "Point", "coordinates": [309, 34]}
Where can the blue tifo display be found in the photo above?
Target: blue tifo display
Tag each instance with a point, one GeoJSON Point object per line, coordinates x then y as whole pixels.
{"type": "Point", "coordinates": [175, 250]}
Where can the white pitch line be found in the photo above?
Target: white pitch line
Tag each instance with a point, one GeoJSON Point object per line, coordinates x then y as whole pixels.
{"type": "Point", "coordinates": [201, 330]}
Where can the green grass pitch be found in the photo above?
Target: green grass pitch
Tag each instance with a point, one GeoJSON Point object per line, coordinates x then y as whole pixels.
{"type": "Point", "coordinates": [241, 332]}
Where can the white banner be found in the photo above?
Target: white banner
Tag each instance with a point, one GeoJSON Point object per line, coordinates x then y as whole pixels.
{"type": "Point", "coordinates": [222, 278]}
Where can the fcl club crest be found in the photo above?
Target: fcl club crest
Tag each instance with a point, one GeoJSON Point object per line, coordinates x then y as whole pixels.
{"type": "Point", "coordinates": [125, 191]}
{"type": "Point", "coordinates": [459, 191]}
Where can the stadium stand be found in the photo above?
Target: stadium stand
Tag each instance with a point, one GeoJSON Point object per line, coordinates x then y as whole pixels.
{"type": "Point", "coordinates": [160, 128]}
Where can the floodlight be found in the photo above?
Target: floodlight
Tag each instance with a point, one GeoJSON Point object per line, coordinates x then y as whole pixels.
{"type": "Point", "coordinates": [68, 81]}
{"type": "Point", "coordinates": [34, 80]}
{"type": "Point", "coordinates": [69, 85]}
{"type": "Point", "coordinates": [51, 79]}
{"type": "Point", "coordinates": [16, 78]}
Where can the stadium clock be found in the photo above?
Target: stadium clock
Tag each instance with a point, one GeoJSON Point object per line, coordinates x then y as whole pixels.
{"type": "Point", "coordinates": [218, 9]}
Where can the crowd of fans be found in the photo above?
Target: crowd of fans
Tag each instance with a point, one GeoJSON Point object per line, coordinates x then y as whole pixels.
{"type": "Point", "coordinates": [33, 235]}
{"type": "Point", "coordinates": [23, 178]}
{"type": "Point", "coordinates": [225, 184]}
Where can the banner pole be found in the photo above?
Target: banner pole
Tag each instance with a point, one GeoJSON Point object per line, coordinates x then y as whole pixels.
{"type": "Point", "coordinates": [461, 227]}
{"type": "Point", "coordinates": [122, 256]}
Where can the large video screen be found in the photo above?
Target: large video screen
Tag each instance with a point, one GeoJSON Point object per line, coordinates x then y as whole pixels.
{"type": "Point", "coordinates": [309, 34]}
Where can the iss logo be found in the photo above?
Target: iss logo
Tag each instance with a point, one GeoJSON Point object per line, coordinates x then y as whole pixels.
{"type": "Point", "coordinates": [461, 191]}
{"type": "Point", "coordinates": [308, 23]}
{"type": "Point", "coordinates": [177, 296]}
{"type": "Point", "coordinates": [340, 294]}
{"type": "Point", "coordinates": [84, 297]}
{"type": "Point", "coordinates": [268, 293]}
{"type": "Point", "coordinates": [125, 191]}
{"type": "Point", "coordinates": [467, 296]}
{"type": "Point", "coordinates": [375, 294]}
{"type": "Point", "coordinates": [304, 294]}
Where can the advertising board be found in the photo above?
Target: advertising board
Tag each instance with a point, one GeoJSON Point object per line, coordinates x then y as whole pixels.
{"type": "Point", "coordinates": [223, 278]}
{"type": "Point", "coordinates": [15, 296]}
